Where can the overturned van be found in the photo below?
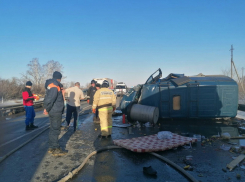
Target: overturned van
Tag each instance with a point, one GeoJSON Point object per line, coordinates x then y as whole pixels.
{"type": "Point", "coordinates": [180, 96]}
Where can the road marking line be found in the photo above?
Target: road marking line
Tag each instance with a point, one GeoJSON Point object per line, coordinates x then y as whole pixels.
{"type": "Point", "coordinates": [23, 135]}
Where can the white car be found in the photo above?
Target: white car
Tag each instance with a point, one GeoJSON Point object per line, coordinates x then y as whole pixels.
{"type": "Point", "coordinates": [121, 88]}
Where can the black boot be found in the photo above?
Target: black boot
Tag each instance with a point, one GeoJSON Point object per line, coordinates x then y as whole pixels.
{"type": "Point", "coordinates": [33, 126]}
{"type": "Point", "coordinates": [28, 128]}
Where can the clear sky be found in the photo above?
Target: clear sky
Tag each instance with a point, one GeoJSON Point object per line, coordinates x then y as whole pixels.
{"type": "Point", "coordinates": [125, 40]}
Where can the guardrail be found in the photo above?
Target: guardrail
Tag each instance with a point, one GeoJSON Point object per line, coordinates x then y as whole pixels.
{"type": "Point", "coordinates": [16, 108]}
{"type": "Point", "coordinates": [13, 109]}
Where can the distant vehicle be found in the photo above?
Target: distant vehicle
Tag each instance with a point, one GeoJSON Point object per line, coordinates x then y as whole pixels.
{"type": "Point", "coordinates": [112, 83]}
{"type": "Point", "coordinates": [121, 88]}
{"type": "Point", "coordinates": [85, 93]}
{"type": "Point", "coordinates": [180, 96]}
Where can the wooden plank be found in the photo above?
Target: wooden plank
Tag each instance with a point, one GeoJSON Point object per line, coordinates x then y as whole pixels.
{"type": "Point", "coordinates": [238, 137]}
{"type": "Point", "coordinates": [236, 161]}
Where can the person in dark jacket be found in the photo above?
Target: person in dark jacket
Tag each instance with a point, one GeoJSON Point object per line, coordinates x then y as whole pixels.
{"type": "Point", "coordinates": [91, 91]}
{"type": "Point", "coordinates": [96, 117]}
{"type": "Point", "coordinates": [28, 98]}
{"type": "Point", "coordinates": [54, 107]}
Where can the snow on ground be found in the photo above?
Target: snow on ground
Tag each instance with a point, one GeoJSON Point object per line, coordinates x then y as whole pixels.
{"type": "Point", "coordinates": [240, 114]}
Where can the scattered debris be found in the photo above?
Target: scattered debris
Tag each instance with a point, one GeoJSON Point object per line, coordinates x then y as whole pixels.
{"type": "Point", "coordinates": [186, 146]}
{"type": "Point", "coordinates": [235, 162]}
{"type": "Point", "coordinates": [226, 136]}
{"type": "Point", "coordinates": [189, 157]}
{"type": "Point", "coordinates": [242, 166]}
{"type": "Point", "coordinates": [191, 168]}
{"type": "Point", "coordinates": [149, 170]}
{"type": "Point", "coordinates": [232, 143]}
{"type": "Point", "coordinates": [238, 176]}
{"type": "Point", "coordinates": [148, 124]}
{"type": "Point", "coordinates": [186, 162]}
{"type": "Point", "coordinates": [187, 167]}
{"type": "Point", "coordinates": [223, 147]}
{"type": "Point", "coordinates": [198, 137]}
{"type": "Point", "coordinates": [138, 124]}
{"type": "Point", "coordinates": [200, 175]}
{"type": "Point", "coordinates": [223, 169]}
{"type": "Point", "coordinates": [164, 135]}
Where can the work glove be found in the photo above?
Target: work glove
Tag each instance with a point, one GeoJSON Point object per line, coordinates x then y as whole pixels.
{"type": "Point", "coordinates": [88, 101]}
{"type": "Point", "coordinates": [94, 111]}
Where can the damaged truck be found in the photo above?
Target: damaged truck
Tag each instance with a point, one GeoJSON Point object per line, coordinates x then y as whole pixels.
{"type": "Point", "coordinates": [180, 96]}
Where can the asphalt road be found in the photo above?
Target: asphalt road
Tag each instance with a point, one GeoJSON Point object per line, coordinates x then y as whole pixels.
{"type": "Point", "coordinates": [13, 133]}
{"type": "Point", "coordinates": [33, 163]}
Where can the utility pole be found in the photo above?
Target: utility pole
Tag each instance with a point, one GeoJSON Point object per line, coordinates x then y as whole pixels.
{"type": "Point", "coordinates": [242, 75]}
{"type": "Point", "coordinates": [231, 58]}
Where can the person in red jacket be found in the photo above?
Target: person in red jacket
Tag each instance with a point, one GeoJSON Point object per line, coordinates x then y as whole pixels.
{"type": "Point", "coordinates": [28, 98]}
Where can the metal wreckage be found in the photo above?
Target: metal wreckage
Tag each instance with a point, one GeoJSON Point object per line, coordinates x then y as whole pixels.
{"type": "Point", "coordinates": [180, 96]}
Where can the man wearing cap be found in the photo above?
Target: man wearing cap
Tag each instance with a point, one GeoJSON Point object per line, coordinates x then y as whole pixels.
{"type": "Point", "coordinates": [54, 107]}
{"type": "Point", "coordinates": [105, 100]}
{"type": "Point", "coordinates": [28, 98]}
{"type": "Point", "coordinates": [75, 94]}
{"type": "Point", "coordinates": [91, 92]}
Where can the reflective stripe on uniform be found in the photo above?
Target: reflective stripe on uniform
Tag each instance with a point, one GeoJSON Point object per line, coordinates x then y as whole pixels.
{"type": "Point", "coordinates": [106, 127]}
{"type": "Point", "coordinates": [101, 98]}
{"type": "Point", "coordinates": [106, 109]}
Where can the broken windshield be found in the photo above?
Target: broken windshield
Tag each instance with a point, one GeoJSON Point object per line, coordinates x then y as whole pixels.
{"type": "Point", "coordinates": [154, 77]}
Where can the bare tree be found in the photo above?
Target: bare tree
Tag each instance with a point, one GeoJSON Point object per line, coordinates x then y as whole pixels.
{"type": "Point", "coordinates": [34, 72]}
{"type": "Point", "coordinates": [69, 84]}
{"type": "Point", "coordinates": [50, 67]}
{"type": "Point", "coordinates": [87, 85]}
{"type": "Point", "coordinates": [10, 88]}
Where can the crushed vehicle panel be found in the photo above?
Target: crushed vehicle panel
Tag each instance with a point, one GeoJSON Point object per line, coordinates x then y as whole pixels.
{"type": "Point", "coordinates": [179, 96]}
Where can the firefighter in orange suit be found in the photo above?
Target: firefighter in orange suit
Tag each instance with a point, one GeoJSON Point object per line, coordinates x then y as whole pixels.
{"type": "Point", "coordinates": [105, 100]}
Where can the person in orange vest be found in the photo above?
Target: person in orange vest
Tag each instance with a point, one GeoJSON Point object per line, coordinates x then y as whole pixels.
{"type": "Point", "coordinates": [54, 107]}
{"type": "Point", "coordinates": [28, 98]}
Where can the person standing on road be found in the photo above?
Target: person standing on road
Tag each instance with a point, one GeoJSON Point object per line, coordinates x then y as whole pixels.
{"type": "Point", "coordinates": [54, 107]}
{"type": "Point", "coordinates": [75, 94]}
{"type": "Point", "coordinates": [28, 98]}
{"type": "Point", "coordinates": [105, 100]}
{"type": "Point", "coordinates": [91, 92]}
